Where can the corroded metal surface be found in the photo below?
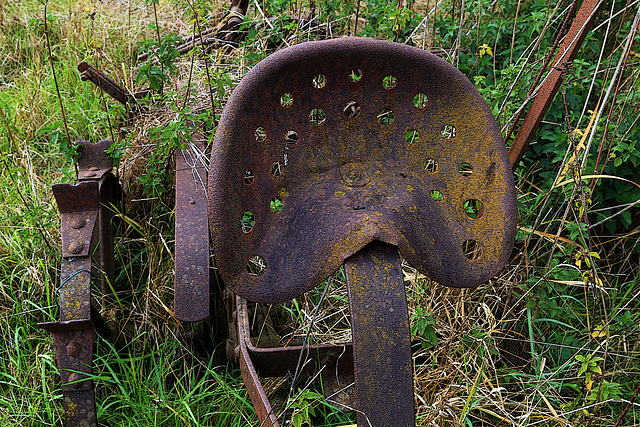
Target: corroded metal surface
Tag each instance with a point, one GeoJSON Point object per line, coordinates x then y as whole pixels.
{"type": "Point", "coordinates": [249, 374]}
{"type": "Point", "coordinates": [87, 257]}
{"type": "Point", "coordinates": [567, 53]}
{"type": "Point", "coordinates": [106, 84]}
{"type": "Point", "coordinates": [335, 156]}
{"type": "Point", "coordinates": [79, 207]}
{"type": "Point", "coordinates": [334, 361]}
{"type": "Point", "coordinates": [380, 330]}
{"type": "Point", "coordinates": [94, 163]}
{"type": "Point", "coordinates": [73, 341]}
{"type": "Point", "coordinates": [191, 284]}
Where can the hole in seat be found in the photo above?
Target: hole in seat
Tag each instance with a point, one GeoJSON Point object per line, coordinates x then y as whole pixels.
{"type": "Point", "coordinates": [465, 169]}
{"type": "Point", "coordinates": [260, 134]}
{"type": "Point", "coordinates": [448, 132]}
{"type": "Point", "coordinates": [286, 100]}
{"type": "Point", "coordinates": [420, 101]}
{"type": "Point", "coordinates": [319, 81]}
{"type": "Point", "coordinates": [276, 204]}
{"type": "Point", "coordinates": [248, 177]}
{"type": "Point", "coordinates": [431, 165]}
{"type": "Point", "coordinates": [385, 117]}
{"type": "Point", "coordinates": [352, 109]}
{"type": "Point", "coordinates": [389, 82]}
{"type": "Point", "coordinates": [317, 116]}
{"type": "Point", "coordinates": [412, 136]}
{"type": "Point", "coordinates": [247, 221]}
{"type": "Point", "coordinates": [473, 208]}
{"type": "Point", "coordinates": [256, 266]}
{"type": "Point", "coordinates": [291, 139]}
{"type": "Point", "coordinates": [472, 250]}
{"type": "Point", "coordinates": [276, 169]}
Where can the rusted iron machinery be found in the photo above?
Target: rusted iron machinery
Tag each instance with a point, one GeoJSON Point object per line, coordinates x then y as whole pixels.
{"type": "Point", "coordinates": [346, 152]}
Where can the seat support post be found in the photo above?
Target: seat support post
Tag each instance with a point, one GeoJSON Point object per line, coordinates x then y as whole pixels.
{"type": "Point", "coordinates": [381, 339]}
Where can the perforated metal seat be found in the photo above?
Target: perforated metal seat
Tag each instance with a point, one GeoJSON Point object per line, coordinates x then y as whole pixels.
{"type": "Point", "coordinates": [344, 150]}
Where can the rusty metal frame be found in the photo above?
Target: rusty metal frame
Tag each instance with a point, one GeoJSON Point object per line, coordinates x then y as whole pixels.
{"type": "Point", "coordinates": [192, 277]}
{"type": "Point", "coordinates": [568, 51]}
{"type": "Point", "coordinates": [87, 259]}
{"type": "Point", "coordinates": [333, 361]}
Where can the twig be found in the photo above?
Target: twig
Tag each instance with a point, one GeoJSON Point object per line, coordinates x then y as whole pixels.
{"type": "Point", "coordinates": [55, 81]}
{"type": "Point", "coordinates": [206, 65]}
{"type": "Point", "coordinates": [624, 411]}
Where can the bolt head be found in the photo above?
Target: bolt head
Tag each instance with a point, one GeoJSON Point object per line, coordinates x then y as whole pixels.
{"type": "Point", "coordinates": [75, 377]}
{"type": "Point", "coordinates": [75, 247]}
{"type": "Point", "coordinates": [78, 223]}
{"type": "Point", "coordinates": [74, 349]}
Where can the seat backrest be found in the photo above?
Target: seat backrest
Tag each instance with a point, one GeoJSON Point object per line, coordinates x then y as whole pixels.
{"type": "Point", "coordinates": [326, 146]}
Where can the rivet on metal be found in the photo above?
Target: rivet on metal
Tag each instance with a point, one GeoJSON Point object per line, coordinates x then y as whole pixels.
{"type": "Point", "coordinates": [75, 379]}
{"type": "Point", "coordinates": [74, 349]}
{"type": "Point", "coordinates": [75, 247]}
{"type": "Point", "coordinates": [78, 223]}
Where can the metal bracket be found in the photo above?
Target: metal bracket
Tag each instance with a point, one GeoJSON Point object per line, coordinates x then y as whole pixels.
{"type": "Point", "coordinates": [191, 283]}
{"type": "Point", "coordinates": [333, 361]}
{"type": "Point", "coordinates": [85, 216]}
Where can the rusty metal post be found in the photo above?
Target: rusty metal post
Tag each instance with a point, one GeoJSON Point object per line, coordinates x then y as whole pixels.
{"type": "Point", "coordinates": [87, 257]}
{"type": "Point", "coordinates": [191, 283]}
{"type": "Point", "coordinates": [568, 50]}
{"type": "Point", "coordinates": [381, 340]}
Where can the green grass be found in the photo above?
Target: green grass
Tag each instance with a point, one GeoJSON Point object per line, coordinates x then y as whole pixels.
{"type": "Point", "coordinates": [568, 297]}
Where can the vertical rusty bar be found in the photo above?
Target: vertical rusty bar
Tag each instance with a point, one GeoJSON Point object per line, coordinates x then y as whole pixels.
{"type": "Point", "coordinates": [381, 340]}
{"type": "Point", "coordinates": [191, 284]}
{"type": "Point", "coordinates": [568, 50]}
{"type": "Point", "coordinates": [73, 341]}
{"type": "Point", "coordinates": [85, 229]}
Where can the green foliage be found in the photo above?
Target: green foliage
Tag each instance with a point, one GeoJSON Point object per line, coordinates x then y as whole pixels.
{"type": "Point", "coordinates": [303, 406]}
{"type": "Point", "coordinates": [158, 69]}
{"type": "Point", "coordinates": [422, 328]}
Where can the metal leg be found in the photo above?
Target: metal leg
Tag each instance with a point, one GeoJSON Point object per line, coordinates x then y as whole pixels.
{"type": "Point", "coordinates": [87, 258]}
{"type": "Point", "coordinates": [191, 287]}
{"type": "Point", "coordinates": [381, 340]}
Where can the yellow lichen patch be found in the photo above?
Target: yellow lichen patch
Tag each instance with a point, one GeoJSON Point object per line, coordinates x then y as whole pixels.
{"type": "Point", "coordinates": [409, 188]}
{"type": "Point", "coordinates": [71, 407]}
{"type": "Point", "coordinates": [339, 193]}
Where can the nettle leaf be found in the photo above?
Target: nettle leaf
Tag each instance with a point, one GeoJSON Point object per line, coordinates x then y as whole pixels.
{"type": "Point", "coordinates": [583, 369]}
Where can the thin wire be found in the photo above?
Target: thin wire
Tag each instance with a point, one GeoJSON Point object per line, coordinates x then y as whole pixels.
{"type": "Point", "coordinates": [64, 282]}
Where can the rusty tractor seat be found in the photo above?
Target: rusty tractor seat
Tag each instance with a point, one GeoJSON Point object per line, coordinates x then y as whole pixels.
{"type": "Point", "coordinates": [346, 151]}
